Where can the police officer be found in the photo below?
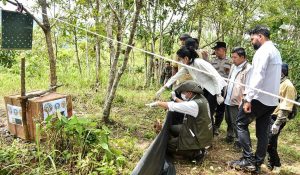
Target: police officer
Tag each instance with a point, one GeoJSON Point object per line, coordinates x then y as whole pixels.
{"type": "Point", "coordinates": [222, 64]}
{"type": "Point", "coordinates": [195, 132]}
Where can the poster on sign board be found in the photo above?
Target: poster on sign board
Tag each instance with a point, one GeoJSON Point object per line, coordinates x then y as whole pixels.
{"type": "Point", "coordinates": [14, 114]}
{"type": "Point", "coordinates": [56, 106]}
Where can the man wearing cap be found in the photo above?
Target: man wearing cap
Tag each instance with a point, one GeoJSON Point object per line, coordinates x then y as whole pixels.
{"type": "Point", "coordinates": [195, 133]}
{"type": "Point", "coordinates": [222, 64]}
{"type": "Point", "coordinates": [182, 39]}
{"type": "Point", "coordinates": [279, 117]}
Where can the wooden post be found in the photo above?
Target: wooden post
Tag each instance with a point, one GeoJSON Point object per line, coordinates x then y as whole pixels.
{"type": "Point", "coordinates": [24, 99]}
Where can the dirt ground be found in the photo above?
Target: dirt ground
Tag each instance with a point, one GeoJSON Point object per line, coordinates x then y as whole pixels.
{"type": "Point", "coordinates": [215, 161]}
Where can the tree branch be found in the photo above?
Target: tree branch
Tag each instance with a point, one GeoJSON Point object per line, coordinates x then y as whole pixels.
{"type": "Point", "coordinates": [28, 12]}
{"type": "Point", "coordinates": [115, 12]}
{"type": "Point", "coordinates": [39, 93]}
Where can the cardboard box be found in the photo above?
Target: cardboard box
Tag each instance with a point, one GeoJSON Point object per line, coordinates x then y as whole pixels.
{"type": "Point", "coordinates": [38, 108]}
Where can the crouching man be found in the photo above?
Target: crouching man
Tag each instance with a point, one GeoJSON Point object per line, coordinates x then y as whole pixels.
{"type": "Point", "coordinates": [189, 137]}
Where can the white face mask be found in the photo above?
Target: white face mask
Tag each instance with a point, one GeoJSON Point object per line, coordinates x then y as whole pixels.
{"type": "Point", "coordinates": [183, 96]}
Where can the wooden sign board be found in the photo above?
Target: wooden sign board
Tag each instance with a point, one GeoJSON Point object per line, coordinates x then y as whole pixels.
{"type": "Point", "coordinates": [38, 108]}
{"type": "Point", "coordinates": [16, 30]}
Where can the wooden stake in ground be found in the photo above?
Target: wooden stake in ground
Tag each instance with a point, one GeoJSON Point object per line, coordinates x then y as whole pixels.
{"type": "Point", "coordinates": [24, 99]}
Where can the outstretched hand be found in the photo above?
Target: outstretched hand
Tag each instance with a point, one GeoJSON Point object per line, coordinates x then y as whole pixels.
{"type": "Point", "coordinates": [152, 105]}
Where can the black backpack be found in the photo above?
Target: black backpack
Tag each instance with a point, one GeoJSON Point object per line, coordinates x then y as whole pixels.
{"type": "Point", "coordinates": [294, 112]}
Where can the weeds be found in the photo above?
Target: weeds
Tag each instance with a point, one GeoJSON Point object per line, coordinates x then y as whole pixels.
{"type": "Point", "coordinates": [73, 142]}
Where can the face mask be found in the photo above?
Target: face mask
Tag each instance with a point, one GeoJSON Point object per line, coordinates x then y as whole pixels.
{"type": "Point", "coordinates": [183, 96]}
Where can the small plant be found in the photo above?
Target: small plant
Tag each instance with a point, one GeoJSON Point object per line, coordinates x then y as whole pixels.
{"type": "Point", "coordinates": [72, 146]}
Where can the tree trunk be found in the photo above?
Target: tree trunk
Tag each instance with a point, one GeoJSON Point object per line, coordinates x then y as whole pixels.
{"type": "Point", "coordinates": [87, 54]}
{"type": "Point", "coordinates": [109, 32]}
{"type": "Point", "coordinates": [146, 62]}
{"type": "Point", "coordinates": [200, 28]}
{"type": "Point", "coordinates": [115, 58]}
{"type": "Point", "coordinates": [109, 100]}
{"type": "Point", "coordinates": [151, 66]}
{"type": "Point", "coordinates": [47, 32]}
{"type": "Point", "coordinates": [153, 40]}
{"type": "Point", "coordinates": [98, 60]}
{"type": "Point", "coordinates": [161, 51]}
{"type": "Point", "coordinates": [76, 51]}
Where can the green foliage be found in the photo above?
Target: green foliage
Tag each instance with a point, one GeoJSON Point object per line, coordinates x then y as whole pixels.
{"type": "Point", "coordinates": [7, 58]}
{"type": "Point", "coordinates": [12, 158]}
{"type": "Point", "coordinates": [293, 125]}
{"type": "Point", "coordinates": [69, 141]}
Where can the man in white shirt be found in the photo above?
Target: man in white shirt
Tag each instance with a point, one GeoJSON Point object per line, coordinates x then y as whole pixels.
{"type": "Point", "coordinates": [266, 72]}
{"type": "Point", "coordinates": [239, 73]}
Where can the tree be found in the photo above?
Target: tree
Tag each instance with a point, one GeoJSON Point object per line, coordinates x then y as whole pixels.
{"type": "Point", "coordinates": [160, 24]}
{"type": "Point", "coordinates": [116, 76]}
{"type": "Point", "coordinates": [47, 31]}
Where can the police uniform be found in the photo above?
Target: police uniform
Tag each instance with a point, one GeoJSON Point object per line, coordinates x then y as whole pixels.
{"type": "Point", "coordinates": [222, 66]}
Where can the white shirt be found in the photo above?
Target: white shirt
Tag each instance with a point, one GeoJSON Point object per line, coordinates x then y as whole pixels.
{"type": "Point", "coordinates": [266, 73]}
{"type": "Point", "coordinates": [186, 107]}
{"type": "Point", "coordinates": [212, 82]}
{"type": "Point", "coordinates": [235, 71]}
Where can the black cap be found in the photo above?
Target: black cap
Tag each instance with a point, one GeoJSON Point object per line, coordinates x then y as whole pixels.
{"type": "Point", "coordinates": [184, 36]}
{"type": "Point", "coordinates": [191, 43]}
{"type": "Point", "coordinates": [285, 69]}
{"type": "Point", "coordinates": [219, 44]}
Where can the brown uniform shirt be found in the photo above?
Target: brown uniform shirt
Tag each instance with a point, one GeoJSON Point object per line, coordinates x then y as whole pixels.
{"type": "Point", "coordinates": [222, 66]}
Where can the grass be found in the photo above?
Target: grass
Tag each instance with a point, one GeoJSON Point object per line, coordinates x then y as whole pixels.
{"type": "Point", "coordinates": [133, 131]}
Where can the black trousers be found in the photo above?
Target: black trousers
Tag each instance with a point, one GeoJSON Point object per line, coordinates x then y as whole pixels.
{"type": "Point", "coordinates": [274, 159]}
{"type": "Point", "coordinates": [262, 114]}
{"type": "Point", "coordinates": [212, 101]}
{"type": "Point", "coordinates": [219, 116]}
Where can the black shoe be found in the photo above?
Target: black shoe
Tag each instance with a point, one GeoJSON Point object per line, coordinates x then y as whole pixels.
{"type": "Point", "coordinates": [233, 163]}
{"type": "Point", "coordinates": [257, 170]}
{"type": "Point", "coordinates": [246, 165]}
{"type": "Point", "coordinates": [270, 166]}
{"type": "Point", "coordinates": [198, 158]}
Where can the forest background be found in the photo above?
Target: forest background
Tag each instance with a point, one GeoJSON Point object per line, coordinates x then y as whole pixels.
{"type": "Point", "coordinates": [111, 82]}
